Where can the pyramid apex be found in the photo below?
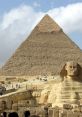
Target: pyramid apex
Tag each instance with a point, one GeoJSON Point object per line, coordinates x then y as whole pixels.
{"type": "Point", "coordinates": [46, 16]}
{"type": "Point", "coordinates": [47, 24]}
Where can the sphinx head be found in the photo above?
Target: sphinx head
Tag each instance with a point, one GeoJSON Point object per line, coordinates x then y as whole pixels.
{"type": "Point", "coordinates": [71, 70]}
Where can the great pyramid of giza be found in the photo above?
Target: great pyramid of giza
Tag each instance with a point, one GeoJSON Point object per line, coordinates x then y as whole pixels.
{"type": "Point", "coordinates": [44, 52]}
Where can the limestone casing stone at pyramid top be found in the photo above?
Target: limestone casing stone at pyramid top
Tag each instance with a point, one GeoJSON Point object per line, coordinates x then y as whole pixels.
{"type": "Point", "coordinates": [47, 24]}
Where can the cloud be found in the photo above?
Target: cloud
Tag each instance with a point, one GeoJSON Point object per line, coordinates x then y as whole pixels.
{"type": "Point", "coordinates": [23, 15]}
{"type": "Point", "coordinates": [14, 28]}
{"type": "Point", "coordinates": [16, 25]}
{"type": "Point", "coordinates": [68, 17]}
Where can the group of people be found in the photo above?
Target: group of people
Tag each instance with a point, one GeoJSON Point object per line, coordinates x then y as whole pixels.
{"type": "Point", "coordinates": [15, 114]}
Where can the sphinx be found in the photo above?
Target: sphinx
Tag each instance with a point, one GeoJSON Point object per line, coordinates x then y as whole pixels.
{"type": "Point", "coordinates": [68, 89]}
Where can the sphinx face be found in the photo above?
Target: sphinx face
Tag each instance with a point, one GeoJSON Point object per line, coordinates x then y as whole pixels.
{"type": "Point", "coordinates": [71, 68]}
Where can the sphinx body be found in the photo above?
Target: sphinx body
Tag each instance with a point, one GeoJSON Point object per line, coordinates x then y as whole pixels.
{"type": "Point", "coordinates": [68, 90]}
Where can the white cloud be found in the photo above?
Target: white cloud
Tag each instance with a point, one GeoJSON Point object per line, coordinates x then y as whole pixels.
{"type": "Point", "coordinates": [18, 22]}
{"type": "Point", "coordinates": [22, 15]}
{"type": "Point", "coordinates": [69, 17]}
{"type": "Point", "coordinates": [15, 26]}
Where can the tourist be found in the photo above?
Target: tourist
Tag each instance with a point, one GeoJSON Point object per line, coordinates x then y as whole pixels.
{"type": "Point", "coordinates": [13, 114]}
{"type": "Point", "coordinates": [4, 114]}
{"type": "Point", "coordinates": [27, 114]}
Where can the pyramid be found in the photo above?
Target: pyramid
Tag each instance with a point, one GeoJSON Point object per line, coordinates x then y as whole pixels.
{"type": "Point", "coordinates": [44, 52]}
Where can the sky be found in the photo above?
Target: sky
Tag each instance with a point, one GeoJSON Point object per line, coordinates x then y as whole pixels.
{"type": "Point", "coordinates": [19, 17]}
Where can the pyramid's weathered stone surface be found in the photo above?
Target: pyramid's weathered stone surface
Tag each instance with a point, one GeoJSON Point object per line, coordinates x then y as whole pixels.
{"type": "Point", "coordinates": [48, 25]}
{"type": "Point", "coordinates": [44, 52]}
